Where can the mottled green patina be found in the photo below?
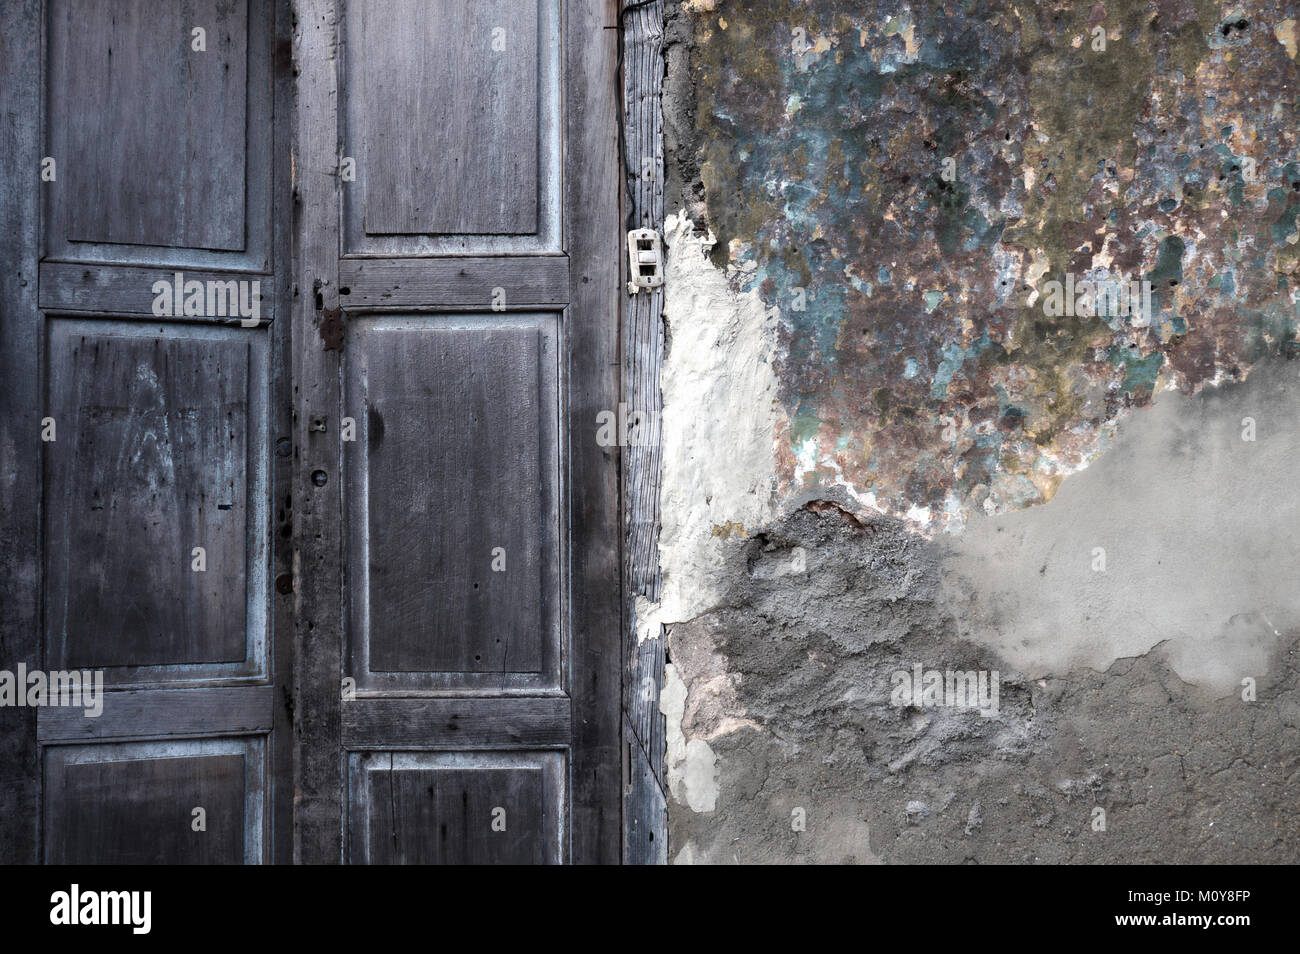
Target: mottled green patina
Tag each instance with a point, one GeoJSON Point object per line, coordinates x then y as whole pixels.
{"type": "Point", "coordinates": [918, 362]}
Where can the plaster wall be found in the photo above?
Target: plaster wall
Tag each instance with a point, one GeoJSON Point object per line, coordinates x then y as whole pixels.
{"type": "Point", "coordinates": [884, 452]}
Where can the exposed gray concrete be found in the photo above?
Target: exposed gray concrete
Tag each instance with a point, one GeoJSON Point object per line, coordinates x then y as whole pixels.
{"type": "Point", "coordinates": [789, 680]}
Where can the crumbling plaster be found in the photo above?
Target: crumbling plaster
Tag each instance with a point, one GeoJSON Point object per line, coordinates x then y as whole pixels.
{"type": "Point", "coordinates": [879, 451]}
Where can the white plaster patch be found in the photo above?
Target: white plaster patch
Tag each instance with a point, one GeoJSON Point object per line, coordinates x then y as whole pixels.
{"type": "Point", "coordinates": [718, 424]}
{"type": "Point", "coordinates": [686, 856]}
{"type": "Point", "coordinates": [648, 621]}
{"type": "Point", "coordinates": [692, 766]}
{"type": "Point", "coordinates": [718, 468]}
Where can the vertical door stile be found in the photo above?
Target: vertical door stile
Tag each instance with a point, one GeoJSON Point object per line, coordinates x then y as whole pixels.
{"type": "Point", "coordinates": [317, 329]}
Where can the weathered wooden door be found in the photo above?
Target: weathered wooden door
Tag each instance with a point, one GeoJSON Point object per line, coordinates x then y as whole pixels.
{"type": "Point", "coordinates": [351, 569]}
{"type": "Point", "coordinates": [145, 154]}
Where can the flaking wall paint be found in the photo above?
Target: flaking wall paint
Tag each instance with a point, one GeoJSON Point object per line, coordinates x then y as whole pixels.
{"type": "Point", "coordinates": [879, 450]}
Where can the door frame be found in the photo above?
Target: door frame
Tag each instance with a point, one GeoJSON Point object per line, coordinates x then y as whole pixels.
{"type": "Point", "coordinates": [645, 811]}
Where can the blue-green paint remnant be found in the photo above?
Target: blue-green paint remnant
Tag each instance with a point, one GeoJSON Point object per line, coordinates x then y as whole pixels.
{"type": "Point", "coordinates": [921, 170]}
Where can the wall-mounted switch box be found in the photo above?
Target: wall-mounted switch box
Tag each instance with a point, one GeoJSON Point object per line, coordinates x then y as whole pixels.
{"type": "Point", "coordinates": [645, 260]}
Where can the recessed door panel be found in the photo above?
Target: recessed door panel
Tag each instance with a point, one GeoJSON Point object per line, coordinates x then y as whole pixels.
{"type": "Point", "coordinates": [190, 802]}
{"type": "Point", "coordinates": [452, 499]}
{"type": "Point", "coordinates": [155, 534]}
{"type": "Point", "coordinates": [158, 128]}
{"type": "Point", "coordinates": [452, 119]}
{"type": "Point", "coordinates": [457, 808]}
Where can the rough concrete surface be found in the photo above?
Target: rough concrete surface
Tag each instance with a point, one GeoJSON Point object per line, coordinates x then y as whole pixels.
{"type": "Point", "coordinates": [787, 682]}
{"type": "Point", "coordinates": [887, 456]}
